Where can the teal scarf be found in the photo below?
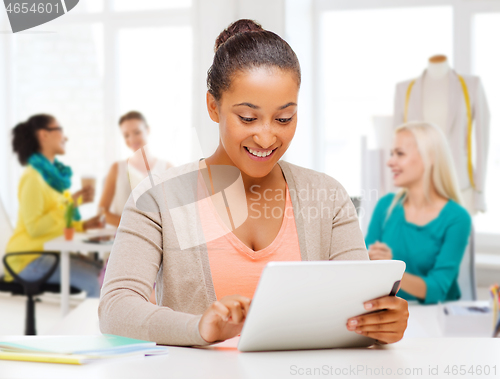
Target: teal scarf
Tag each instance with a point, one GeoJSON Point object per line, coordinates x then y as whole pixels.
{"type": "Point", "coordinates": [57, 175]}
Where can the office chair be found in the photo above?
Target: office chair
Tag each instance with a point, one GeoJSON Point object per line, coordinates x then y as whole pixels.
{"type": "Point", "coordinates": [467, 274]}
{"type": "Point", "coordinates": [19, 286]}
{"type": "Point", "coordinates": [356, 200]}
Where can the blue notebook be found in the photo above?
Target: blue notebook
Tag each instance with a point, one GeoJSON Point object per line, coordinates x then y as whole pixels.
{"type": "Point", "coordinates": [83, 348]}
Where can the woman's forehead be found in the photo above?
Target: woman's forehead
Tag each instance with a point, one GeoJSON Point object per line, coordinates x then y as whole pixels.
{"type": "Point", "coordinates": [263, 85]}
{"type": "Point", "coordinates": [405, 138]}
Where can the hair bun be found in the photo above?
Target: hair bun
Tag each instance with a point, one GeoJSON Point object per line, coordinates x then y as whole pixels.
{"type": "Point", "coordinates": [24, 136]}
{"type": "Point", "coordinates": [237, 27]}
{"type": "Point", "coordinates": [21, 128]}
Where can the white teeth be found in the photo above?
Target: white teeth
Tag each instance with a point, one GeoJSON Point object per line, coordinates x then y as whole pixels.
{"type": "Point", "coordinates": [259, 153]}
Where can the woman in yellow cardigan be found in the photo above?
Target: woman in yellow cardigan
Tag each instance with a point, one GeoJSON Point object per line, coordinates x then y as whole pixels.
{"type": "Point", "coordinates": [41, 217]}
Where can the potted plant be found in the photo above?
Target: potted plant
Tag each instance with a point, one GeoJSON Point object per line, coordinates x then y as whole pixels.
{"type": "Point", "coordinates": [69, 214]}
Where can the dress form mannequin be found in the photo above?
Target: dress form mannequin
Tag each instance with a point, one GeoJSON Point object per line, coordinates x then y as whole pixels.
{"type": "Point", "coordinates": [436, 83]}
{"type": "Point", "coordinates": [435, 91]}
{"type": "Point", "coordinates": [457, 104]}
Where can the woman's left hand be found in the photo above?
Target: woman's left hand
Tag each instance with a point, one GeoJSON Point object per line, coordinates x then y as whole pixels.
{"type": "Point", "coordinates": [379, 251]}
{"type": "Point", "coordinates": [387, 325]}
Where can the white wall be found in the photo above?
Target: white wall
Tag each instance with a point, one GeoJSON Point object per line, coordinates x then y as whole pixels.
{"type": "Point", "coordinates": [210, 18]}
{"type": "Point", "coordinates": [7, 159]}
{"type": "Point", "coordinates": [299, 33]}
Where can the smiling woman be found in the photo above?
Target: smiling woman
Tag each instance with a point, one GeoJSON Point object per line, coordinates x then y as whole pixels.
{"type": "Point", "coordinates": [204, 289]}
{"type": "Point", "coordinates": [41, 195]}
{"type": "Point", "coordinates": [424, 223]}
{"type": "Point", "coordinates": [254, 122]}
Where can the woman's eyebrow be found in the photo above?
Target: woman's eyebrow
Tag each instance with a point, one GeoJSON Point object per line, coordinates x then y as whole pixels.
{"type": "Point", "coordinates": [286, 105]}
{"type": "Point", "coordinates": [247, 104]}
{"type": "Point", "coordinates": [253, 106]}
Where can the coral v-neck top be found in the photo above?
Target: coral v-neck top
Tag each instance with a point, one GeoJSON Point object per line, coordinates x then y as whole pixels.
{"type": "Point", "coordinates": [236, 268]}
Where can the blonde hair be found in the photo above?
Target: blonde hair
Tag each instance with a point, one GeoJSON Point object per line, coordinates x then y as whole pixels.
{"type": "Point", "coordinates": [439, 169]}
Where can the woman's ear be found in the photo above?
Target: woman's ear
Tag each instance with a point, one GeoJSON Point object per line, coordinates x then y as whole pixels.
{"type": "Point", "coordinates": [41, 135]}
{"type": "Point", "coordinates": [213, 107]}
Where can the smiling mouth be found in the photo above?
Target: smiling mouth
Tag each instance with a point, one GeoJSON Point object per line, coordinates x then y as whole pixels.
{"type": "Point", "coordinates": [260, 154]}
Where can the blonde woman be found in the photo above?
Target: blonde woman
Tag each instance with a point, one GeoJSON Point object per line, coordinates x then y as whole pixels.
{"type": "Point", "coordinates": [424, 224]}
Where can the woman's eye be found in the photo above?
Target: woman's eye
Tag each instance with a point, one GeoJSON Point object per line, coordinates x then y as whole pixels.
{"type": "Point", "coordinates": [247, 119]}
{"type": "Point", "coordinates": [284, 120]}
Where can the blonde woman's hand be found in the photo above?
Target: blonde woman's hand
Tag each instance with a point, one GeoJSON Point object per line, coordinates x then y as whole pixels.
{"type": "Point", "coordinates": [224, 318]}
{"type": "Point", "coordinates": [379, 251]}
{"type": "Point", "coordinates": [387, 325]}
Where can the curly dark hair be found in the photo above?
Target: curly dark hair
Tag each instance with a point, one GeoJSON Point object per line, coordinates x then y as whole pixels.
{"type": "Point", "coordinates": [24, 136]}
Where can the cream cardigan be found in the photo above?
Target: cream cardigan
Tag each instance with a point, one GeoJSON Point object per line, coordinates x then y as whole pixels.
{"type": "Point", "coordinates": [147, 249]}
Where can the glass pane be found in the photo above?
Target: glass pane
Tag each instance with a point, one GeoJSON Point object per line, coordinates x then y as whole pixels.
{"type": "Point", "coordinates": [155, 78]}
{"type": "Point", "coordinates": [364, 53]}
{"type": "Point", "coordinates": [135, 5]}
{"type": "Point", "coordinates": [89, 6]}
{"type": "Point", "coordinates": [486, 62]}
{"type": "Point", "coordinates": [61, 74]}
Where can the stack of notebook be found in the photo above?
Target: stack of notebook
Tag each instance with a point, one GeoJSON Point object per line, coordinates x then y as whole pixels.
{"type": "Point", "coordinates": [75, 349]}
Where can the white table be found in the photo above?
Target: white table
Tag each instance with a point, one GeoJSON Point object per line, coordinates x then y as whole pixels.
{"type": "Point", "coordinates": [424, 321]}
{"type": "Point", "coordinates": [412, 357]}
{"type": "Point", "coordinates": [76, 245]}
{"type": "Point", "coordinates": [409, 358]}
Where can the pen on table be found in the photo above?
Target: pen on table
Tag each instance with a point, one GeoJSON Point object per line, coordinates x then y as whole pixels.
{"type": "Point", "coordinates": [496, 332]}
{"type": "Point", "coordinates": [494, 292]}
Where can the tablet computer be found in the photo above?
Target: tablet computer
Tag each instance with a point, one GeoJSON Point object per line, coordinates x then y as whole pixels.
{"type": "Point", "coordinates": [101, 240]}
{"type": "Point", "coordinates": [306, 305]}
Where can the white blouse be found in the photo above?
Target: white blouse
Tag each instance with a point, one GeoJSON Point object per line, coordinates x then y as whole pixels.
{"type": "Point", "coordinates": [127, 179]}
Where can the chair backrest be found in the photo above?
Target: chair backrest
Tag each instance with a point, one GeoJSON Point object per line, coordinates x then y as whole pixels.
{"type": "Point", "coordinates": [356, 200]}
{"type": "Point", "coordinates": [6, 231]}
{"type": "Point", "coordinates": [467, 274]}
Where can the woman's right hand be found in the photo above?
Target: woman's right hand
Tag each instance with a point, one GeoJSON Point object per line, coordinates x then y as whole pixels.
{"type": "Point", "coordinates": [224, 318]}
{"type": "Point", "coordinates": [94, 223]}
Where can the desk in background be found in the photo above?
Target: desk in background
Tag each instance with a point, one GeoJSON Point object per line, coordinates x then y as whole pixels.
{"type": "Point", "coordinates": [76, 246]}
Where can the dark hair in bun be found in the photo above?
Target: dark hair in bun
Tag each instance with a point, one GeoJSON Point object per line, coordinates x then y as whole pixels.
{"type": "Point", "coordinates": [24, 136]}
{"type": "Point", "coordinates": [244, 45]}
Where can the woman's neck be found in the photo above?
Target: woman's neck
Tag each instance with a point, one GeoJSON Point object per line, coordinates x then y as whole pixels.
{"type": "Point", "coordinates": [416, 196]}
{"type": "Point", "coordinates": [50, 156]}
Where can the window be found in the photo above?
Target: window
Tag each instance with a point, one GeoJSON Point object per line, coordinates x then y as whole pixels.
{"type": "Point", "coordinates": [485, 64]}
{"type": "Point", "coordinates": [89, 6]}
{"type": "Point", "coordinates": [61, 74]}
{"type": "Point", "coordinates": [92, 65]}
{"type": "Point", "coordinates": [155, 71]}
{"type": "Point", "coordinates": [135, 5]}
{"type": "Point", "coordinates": [364, 53]}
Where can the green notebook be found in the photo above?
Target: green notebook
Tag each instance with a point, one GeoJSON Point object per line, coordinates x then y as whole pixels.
{"type": "Point", "coordinates": [80, 347]}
